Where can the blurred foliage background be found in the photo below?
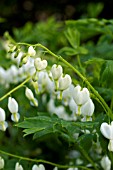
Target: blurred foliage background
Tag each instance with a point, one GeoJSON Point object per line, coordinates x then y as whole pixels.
{"type": "Point", "coordinates": [17, 12]}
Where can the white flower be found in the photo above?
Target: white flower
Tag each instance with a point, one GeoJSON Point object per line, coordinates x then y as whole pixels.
{"type": "Point", "coordinates": [31, 51]}
{"type": "Point", "coordinates": [30, 96]}
{"type": "Point", "coordinates": [3, 123]}
{"type": "Point", "coordinates": [29, 93]}
{"type": "Point", "coordinates": [56, 71]}
{"type": "Point", "coordinates": [2, 115]}
{"type": "Point", "coordinates": [64, 82]}
{"type": "Point", "coordinates": [38, 167]}
{"type": "Point", "coordinates": [80, 96]}
{"type": "Point", "coordinates": [106, 163]}
{"type": "Point", "coordinates": [55, 168]}
{"type": "Point", "coordinates": [40, 64]}
{"type": "Point", "coordinates": [13, 108]}
{"type": "Point", "coordinates": [18, 166]}
{"type": "Point", "coordinates": [87, 109]}
{"type": "Point", "coordinates": [107, 132]}
{"type": "Point", "coordinates": [1, 163]}
{"type": "Point", "coordinates": [12, 105]}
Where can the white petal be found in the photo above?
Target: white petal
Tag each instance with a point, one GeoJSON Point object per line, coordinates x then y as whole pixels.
{"type": "Point", "coordinates": [12, 105]}
{"type": "Point", "coordinates": [64, 82]}
{"type": "Point", "coordinates": [106, 163]}
{"type": "Point", "coordinates": [56, 71]}
{"type": "Point", "coordinates": [1, 163]}
{"type": "Point", "coordinates": [2, 115]}
{"type": "Point", "coordinates": [29, 94]}
{"type": "Point", "coordinates": [87, 109]}
{"type": "Point", "coordinates": [31, 51]}
{"type": "Point", "coordinates": [106, 130]}
{"type": "Point", "coordinates": [18, 166]}
{"type": "Point", "coordinates": [15, 117]}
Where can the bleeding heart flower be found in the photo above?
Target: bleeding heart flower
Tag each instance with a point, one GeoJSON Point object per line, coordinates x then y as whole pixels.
{"type": "Point", "coordinates": [80, 96]}
{"type": "Point", "coordinates": [40, 64]}
{"type": "Point", "coordinates": [56, 71]}
{"type": "Point", "coordinates": [64, 82]}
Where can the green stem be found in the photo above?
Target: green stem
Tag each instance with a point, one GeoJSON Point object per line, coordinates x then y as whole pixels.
{"type": "Point", "coordinates": [42, 161]}
{"type": "Point", "coordinates": [16, 88]}
{"type": "Point", "coordinates": [86, 155]}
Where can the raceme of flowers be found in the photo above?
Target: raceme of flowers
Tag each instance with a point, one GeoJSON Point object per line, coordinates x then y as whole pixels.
{"type": "Point", "coordinates": [53, 81]}
{"type": "Point", "coordinates": [18, 166]}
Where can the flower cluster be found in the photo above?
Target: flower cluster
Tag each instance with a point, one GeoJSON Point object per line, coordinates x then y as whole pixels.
{"type": "Point", "coordinates": [53, 81]}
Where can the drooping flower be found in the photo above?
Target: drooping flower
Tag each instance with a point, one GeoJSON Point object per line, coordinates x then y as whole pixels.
{"type": "Point", "coordinates": [56, 71]}
{"type": "Point", "coordinates": [29, 94]}
{"type": "Point", "coordinates": [2, 163]}
{"type": "Point", "coordinates": [18, 166]}
{"type": "Point", "coordinates": [31, 51]}
{"type": "Point", "coordinates": [106, 163]}
{"type": "Point", "coordinates": [107, 131]}
{"type": "Point", "coordinates": [64, 82]}
{"type": "Point", "coordinates": [3, 123]}
{"type": "Point", "coordinates": [80, 96]}
{"type": "Point", "coordinates": [38, 167]}
{"type": "Point", "coordinates": [87, 109]}
{"type": "Point", "coordinates": [40, 64]}
{"type": "Point", "coordinates": [13, 108]}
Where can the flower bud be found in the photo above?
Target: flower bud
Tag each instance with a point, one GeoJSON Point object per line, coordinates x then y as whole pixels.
{"type": "Point", "coordinates": [64, 82]}
{"type": "Point", "coordinates": [87, 109]}
{"type": "Point", "coordinates": [12, 105]}
{"type": "Point", "coordinates": [18, 166]}
{"type": "Point", "coordinates": [31, 51]}
{"type": "Point", "coordinates": [80, 96]}
{"type": "Point", "coordinates": [106, 163]}
{"type": "Point", "coordinates": [40, 64]}
{"type": "Point", "coordinates": [29, 94]}
{"type": "Point", "coordinates": [1, 163]}
{"type": "Point", "coordinates": [56, 71]}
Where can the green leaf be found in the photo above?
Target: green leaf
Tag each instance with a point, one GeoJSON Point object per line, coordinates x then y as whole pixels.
{"type": "Point", "coordinates": [68, 51]}
{"type": "Point", "coordinates": [43, 125]}
{"type": "Point", "coordinates": [86, 141]}
{"type": "Point", "coordinates": [107, 74]}
{"type": "Point", "coordinates": [73, 37]}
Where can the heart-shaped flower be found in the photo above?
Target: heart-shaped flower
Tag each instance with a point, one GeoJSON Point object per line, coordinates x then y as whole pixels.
{"type": "Point", "coordinates": [64, 82]}
{"type": "Point", "coordinates": [87, 109]}
{"type": "Point", "coordinates": [80, 96]}
{"type": "Point", "coordinates": [107, 130]}
{"type": "Point", "coordinates": [31, 51]}
{"type": "Point", "coordinates": [38, 167]}
{"type": "Point", "coordinates": [56, 71]}
{"type": "Point", "coordinates": [40, 64]}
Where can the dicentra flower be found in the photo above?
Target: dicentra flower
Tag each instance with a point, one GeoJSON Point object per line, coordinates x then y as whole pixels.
{"type": "Point", "coordinates": [40, 64]}
{"type": "Point", "coordinates": [3, 123]}
{"type": "Point", "coordinates": [13, 108]}
{"type": "Point", "coordinates": [64, 82]}
{"type": "Point", "coordinates": [80, 95]}
{"type": "Point", "coordinates": [18, 166]}
{"type": "Point", "coordinates": [107, 131]}
{"type": "Point", "coordinates": [1, 163]}
{"type": "Point", "coordinates": [56, 71]}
